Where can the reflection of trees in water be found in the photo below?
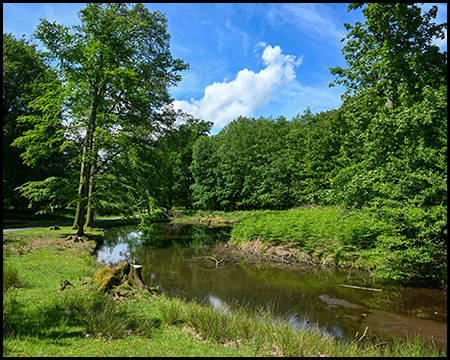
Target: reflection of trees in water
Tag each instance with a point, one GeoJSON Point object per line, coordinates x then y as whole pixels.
{"type": "Point", "coordinates": [191, 235]}
{"type": "Point", "coordinates": [119, 244]}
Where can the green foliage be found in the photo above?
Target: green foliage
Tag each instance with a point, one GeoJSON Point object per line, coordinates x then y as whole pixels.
{"type": "Point", "coordinates": [24, 74]}
{"type": "Point", "coordinates": [243, 166]}
{"type": "Point", "coordinates": [175, 150]}
{"type": "Point", "coordinates": [405, 244]}
{"type": "Point", "coordinates": [392, 54]}
{"type": "Point", "coordinates": [311, 148]}
{"type": "Point", "coordinates": [148, 232]}
{"type": "Point", "coordinates": [203, 168]}
{"type": "Point", "coordinates": [49, 193]}
{"type": "Point", "coordinates": [415, 249]}
{"type": "Point", "coordinates": [397, 156]}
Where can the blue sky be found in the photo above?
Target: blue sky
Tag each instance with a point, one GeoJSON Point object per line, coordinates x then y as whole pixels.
{"type": "Point", "coordinates": [250, 59]}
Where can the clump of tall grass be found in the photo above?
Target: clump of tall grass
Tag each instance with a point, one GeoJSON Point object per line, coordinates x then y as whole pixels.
{"type": "Point", "coordinates": [11, 314]}
{"type": "Point", "coordinates": [273, 335]}
{"type": "Point", "coordinates": [215, 325]}
{"type": "Point", "coordinates": [171, 311]}
{"type": "Point", "coordinates": [11, 306]}
{"type": "Point", "coordinates": [103, 317]}
{"type": "Point", "coordinates": [11, 278]}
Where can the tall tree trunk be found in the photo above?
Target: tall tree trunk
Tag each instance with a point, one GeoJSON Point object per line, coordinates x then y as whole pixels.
{"type": "Point", "coordinates": [90, 209]}
{"type": "Point", "coordinates": [79, 217]}
{"type": "Point", "coordinates": [86, 165]}
{"type": "Point", "coordinates": [82, 200]}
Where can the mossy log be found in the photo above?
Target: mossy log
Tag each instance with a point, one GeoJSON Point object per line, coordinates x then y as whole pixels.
{"type": "Point", "coordinates": [120, 278]}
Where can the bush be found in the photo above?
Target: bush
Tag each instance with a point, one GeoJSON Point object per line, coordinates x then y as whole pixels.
{"type": "Point", "coordinates": [415, 250]}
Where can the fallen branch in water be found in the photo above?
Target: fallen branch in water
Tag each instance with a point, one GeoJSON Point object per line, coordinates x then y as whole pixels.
{"type": "Point", "coordinates": [210, 257]}
{"type": "Point", "coordinates": [360, 287]}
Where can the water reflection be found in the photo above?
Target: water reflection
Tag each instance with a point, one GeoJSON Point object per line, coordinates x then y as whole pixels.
{"type": "Point", "coordinates": [305, 295]}
{"type": "Point", "coordinates": [119, 245]}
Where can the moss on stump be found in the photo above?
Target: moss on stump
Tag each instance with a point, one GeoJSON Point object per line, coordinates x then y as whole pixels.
{"type": "Point", "coordinates": [121, 279]}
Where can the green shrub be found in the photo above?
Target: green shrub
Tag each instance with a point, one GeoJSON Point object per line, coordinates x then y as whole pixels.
{"type": "Point", "coordinates": [415, 250]}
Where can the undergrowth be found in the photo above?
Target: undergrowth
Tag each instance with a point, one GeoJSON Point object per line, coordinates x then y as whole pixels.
{"type": "Point", "coordinates": [406, 245]}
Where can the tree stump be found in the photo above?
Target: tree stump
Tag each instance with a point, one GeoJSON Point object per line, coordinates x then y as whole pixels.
{"type": "Point", "coordinates": [125, 275]}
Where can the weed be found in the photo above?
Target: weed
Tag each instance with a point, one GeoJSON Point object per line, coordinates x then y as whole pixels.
{"type": "Point", "coordinates": [171, 312]}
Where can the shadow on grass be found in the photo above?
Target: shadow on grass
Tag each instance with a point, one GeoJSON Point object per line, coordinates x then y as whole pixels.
{"type": "Point", "coordinates": [72, 314]}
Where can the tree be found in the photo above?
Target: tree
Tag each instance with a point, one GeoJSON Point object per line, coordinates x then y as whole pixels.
{"type": "Point", "coordinates": [23, 70]}
{"type": "Point", "coordinates": [311, 149]}
{"type": "Point", "coordinates": [115, 69]}
{"type": "Point", "coordinates": [204, 170]}
{"type": "Point", "coordinates": [175, 151]}
{"type": "Point", "coordinates": [242, 167]}
{"type": "Point", "coordinates": [392, 54]}
{"type": "Point", "coordinates": [388, 120]}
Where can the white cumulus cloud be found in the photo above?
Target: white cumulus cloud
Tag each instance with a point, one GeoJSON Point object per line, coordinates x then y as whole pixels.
{"type": "Point", "coordinates": [248, 92]}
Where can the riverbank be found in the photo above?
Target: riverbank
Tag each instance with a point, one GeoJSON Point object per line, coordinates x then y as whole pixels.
{"type": "Point", "coordinates": [41, 319]}
{"type": "Point", "coordinates": [406, 246]}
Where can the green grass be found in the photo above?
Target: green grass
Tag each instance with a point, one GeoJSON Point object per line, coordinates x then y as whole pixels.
{"type": "Point", "coordinates": [41, 320]}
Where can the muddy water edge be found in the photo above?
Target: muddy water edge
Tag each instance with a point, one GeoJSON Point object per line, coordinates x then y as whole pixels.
{"type": "Point", "coordinates": [196, 262]}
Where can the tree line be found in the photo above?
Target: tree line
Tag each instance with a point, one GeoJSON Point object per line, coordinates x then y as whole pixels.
{"type": "Point", "coordinates": [398, 157]}
{"type": "Point", "coordinates": [96, 131]}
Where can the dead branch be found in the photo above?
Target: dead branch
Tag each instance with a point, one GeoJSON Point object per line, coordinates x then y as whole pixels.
{"type": "Point", "coordinates": [359, 287]}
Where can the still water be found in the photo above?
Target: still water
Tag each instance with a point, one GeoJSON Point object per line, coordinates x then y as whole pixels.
{"type": "Point", "coordinates": [184, 265]}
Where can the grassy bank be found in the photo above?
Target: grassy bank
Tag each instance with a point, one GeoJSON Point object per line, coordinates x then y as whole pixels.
{"type": "Point", "coordinates": [41, 320]}
{"type": "Point", "coordinates": [406, 245]}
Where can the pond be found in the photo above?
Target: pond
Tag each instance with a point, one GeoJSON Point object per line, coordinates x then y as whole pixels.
{"type": "Point", "coordinates": [185, 264]}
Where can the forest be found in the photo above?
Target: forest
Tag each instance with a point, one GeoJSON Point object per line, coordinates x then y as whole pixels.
{"type": "Point", "coordinates": [97, 134]}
